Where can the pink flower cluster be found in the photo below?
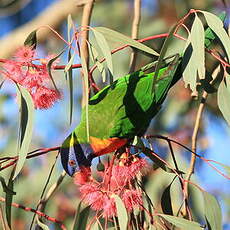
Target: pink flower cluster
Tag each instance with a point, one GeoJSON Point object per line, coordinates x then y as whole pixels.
{"type": "Point", "coordinates": [117, 179]}
{"type": "Point", "coordinates": [34, 77]}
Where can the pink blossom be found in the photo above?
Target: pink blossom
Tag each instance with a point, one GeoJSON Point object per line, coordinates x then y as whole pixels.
{"type": "Point", "coordinates": [126, 171]}
{"type": "Point", "coordinates": [109, 207]}
{"type": "Point", "coordinates": [99, 200]}
{"type": "Point", "coordinates": [116, 181]}
{"type": "Point", "coordinates": [139, 165]}
{"type": "Point", "coordinates": [34, 77]}
{"type": "Point", "coordinates": [12, 70]}
{"type": "Point", "coordinates": [24, 54]}
{"type": "Point", "coordinates": [45, 97]}
{"type": "Point", "coordinates": [132, 199]}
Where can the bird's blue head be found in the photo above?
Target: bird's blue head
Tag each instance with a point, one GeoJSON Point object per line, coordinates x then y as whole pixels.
{"type": "Point", "coordinates": [74, 155]}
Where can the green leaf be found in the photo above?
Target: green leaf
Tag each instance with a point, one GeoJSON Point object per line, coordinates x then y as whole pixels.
{"type": "Point", "coordinates": [166, 203]}
{"type": "Point", "coordinates": [223, 97]}
{"type": "Point", "coordinates": [9, 199]}
{"type": "Point", "coordinates": [26, 108]}
{"type": "Point", "coordinates": [162, 54]}
{"type": "Point", "coordinates": [81, 218]}
{"type": "Point", "coordinates": [217, 26]}
{"type": "Point", "coordinates": [181, 222]}
{"type": "Point", "coordinates": [190, 67]}
{"type": "Point", "coordinates": [70, 62]}
{"type": "Point", "coordinates": [209, 35]}
{"type": "Point", "coordinates": [31, 40]}
{"type": "Point", "coordinates": [68, 69]}
{"type": "Point", "coordinates": [118, 37]}
{"type": "Point", "coordinates": [197, 41]}
{"type": "Point", "coordinates": [69, 73]}
{"type": "Point", "coordinates": [49, 64]}
{"type": "Point", "coordinates": [102, 43]}
{"type": "Point", "coordinates": [6, 189]}
{"type": "Point", "coordinates": [86, 92]}
{"type": "Point", "coordinates": [212, 212]}
{"type": "Point", "coordinates": [70, 25]}
{"type": "Point", "coordinates": [194, 56]}
{"type": "Point", "coordinates": [121, 213]}
{"type": "Point", "coordinates": [94, 56]}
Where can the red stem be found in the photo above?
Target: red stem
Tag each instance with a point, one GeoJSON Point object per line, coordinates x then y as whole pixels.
{"type": "Point", "coordinates": [52, 219]}
{"type": "Point", "coordinates": [30, 155]}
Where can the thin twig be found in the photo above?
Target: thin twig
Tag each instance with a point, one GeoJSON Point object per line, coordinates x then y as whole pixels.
{"type": "Point", "coordinates": [54, 220]}
{"type": "Point", "coordinates": [188, 149]}
{"type": "Point", "coordinates": [44, 189]}
{"type": "Point", "coordinates": [194, 144]}
{"type": "Point", "coordinates": [86, 16]}
{"type": "Point", "coordinates": [135, 32]}
{"type": "Point", "coordinates": [34, 153]}
{"type": "Point", "coordinates": [145, 149]}
{"type": "Point", "coordinates": [84, 52]}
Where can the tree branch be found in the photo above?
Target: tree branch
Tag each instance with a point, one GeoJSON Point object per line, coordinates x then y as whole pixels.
{"type": "Point", "coordinates": [194, 144]}
{"type": "Point", "coordinates": [135, 32]}
{"type": "Point", "coordinates": [86, 16]}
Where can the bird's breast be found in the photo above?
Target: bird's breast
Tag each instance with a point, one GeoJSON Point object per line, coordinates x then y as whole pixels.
{"type": "Point", "coordinates": [103, 146]}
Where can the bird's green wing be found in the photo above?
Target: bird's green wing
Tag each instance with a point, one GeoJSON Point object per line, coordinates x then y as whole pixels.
{"type": "Point", "coordinates": [125, 108]}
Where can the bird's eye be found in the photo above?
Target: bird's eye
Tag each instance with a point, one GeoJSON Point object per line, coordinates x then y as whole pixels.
{"type": "Point", "coordinates": [72, 162]}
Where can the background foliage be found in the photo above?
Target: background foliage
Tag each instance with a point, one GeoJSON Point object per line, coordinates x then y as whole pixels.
{"type": "Point", "coordinates": [176, 119]}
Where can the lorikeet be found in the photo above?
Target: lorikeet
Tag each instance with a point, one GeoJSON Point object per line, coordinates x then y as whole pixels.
{"type": "Point", "coordinates": [119, 112]}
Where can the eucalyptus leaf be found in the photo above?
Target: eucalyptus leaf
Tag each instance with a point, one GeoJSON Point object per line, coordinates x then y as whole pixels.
{"type": "Point", "coordinates": [70, 25]}
{"type": "Point", "coordinates": [94, 56]}
{"type": "Point", "coordinates": [121, 213]}
{"type": "Point", "coordinates": [86, 90]}
{"type": "Point", "coordinates": [166, 203]}
{"type": "Point", "coordinates": [182, 223]}
{"type": "Point", "coordinates": [197, 41]}
{"type": "Point", "coordinates": [217, 27]}
{"type": "Point", "coordinates": [102, 43]}
{"type": "Point", "coordinates": [223, 97]}
{"type": "Point", "coordinates": [6, 189]}
{"type": "Point", "coordinates": [68, 68]}
{"type": "Point", "coordinates": [49, 65]}
{"type": "Point", "coordinates": [212, 212]}
{"type": "Point", "coordinates": [9, 199]}
{"type": "Point", "coordinates": [162, 54]}
{"type": "Point", "coordinates": [31, 40]}
{"type": "Point", "coordinates": [81, 218]}
{"type": "Point", "coordinates": [193, 59]}
{"type": "Point", "coordinates": [209, 35]}
{"type": "Point", "coordinates": [118, 37]}
{"type": "Point", "coordinates": [26, 108]}
{"type": "Point", "coordinates": [69, 73]}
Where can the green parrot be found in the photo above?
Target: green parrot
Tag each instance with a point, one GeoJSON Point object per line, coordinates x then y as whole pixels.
{"type": "Point", "coordinates": [119, 112]}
